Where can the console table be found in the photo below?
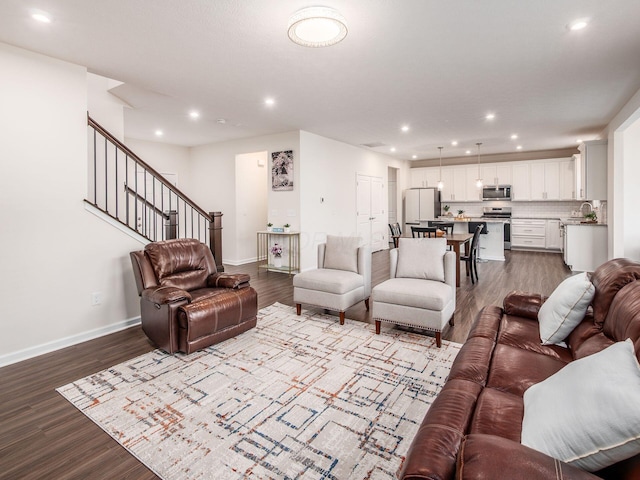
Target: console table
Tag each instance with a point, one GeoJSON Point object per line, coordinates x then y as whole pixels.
{"type": "Point", "coordinates": [290, 243]}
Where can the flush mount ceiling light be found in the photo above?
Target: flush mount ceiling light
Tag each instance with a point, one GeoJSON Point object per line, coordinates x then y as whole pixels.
{"type": "Point", "coordinates": [317, 27]}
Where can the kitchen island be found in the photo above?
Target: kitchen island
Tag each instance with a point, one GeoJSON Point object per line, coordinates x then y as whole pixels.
{"type": "Point", "coordinates": [490, 244]}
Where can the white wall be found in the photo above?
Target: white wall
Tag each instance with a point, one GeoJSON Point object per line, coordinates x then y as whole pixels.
{"type": "Point", "coordinates": [54, 253]}
{"type": "Point", "coordinates": [631, 195]}
{"type": "Point", "coordinates": [622, 189]}
{"type": "Point", "coordinates": [103, 107]}
{"type": "Point", "coordinates": [328, 170]}
{"type": "Point", "coordinates": [251, 203]}
{"type": "Point", "coordinates": [213, 183]}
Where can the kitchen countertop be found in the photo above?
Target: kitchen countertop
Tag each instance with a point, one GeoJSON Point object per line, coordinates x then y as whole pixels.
{"type": "Point", "coordinates": [533, 217]}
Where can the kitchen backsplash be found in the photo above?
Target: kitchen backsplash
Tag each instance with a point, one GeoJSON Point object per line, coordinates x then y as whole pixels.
{"type": "Point", "coordinates": [526, 209]}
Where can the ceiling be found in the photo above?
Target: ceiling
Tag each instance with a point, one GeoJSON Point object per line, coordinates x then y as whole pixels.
{"type": "Point", "coordinates": [437, 66]}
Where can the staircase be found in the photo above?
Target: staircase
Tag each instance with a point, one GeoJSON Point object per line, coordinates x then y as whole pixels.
{"type": "Point", "coordinates": [128, 190]}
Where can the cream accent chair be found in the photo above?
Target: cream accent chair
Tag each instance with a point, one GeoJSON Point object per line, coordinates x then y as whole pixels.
{"type": "Point", "coordinates": [342, 279]}
{"type": "Point", "coordinates": [422, 289]}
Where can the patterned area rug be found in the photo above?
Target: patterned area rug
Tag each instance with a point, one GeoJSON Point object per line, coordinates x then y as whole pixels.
{"type": "Point", "coordinates": [296, 397]}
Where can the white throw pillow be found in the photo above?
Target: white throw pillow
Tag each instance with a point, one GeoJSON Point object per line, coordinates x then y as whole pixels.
{"type": "Point", "coordinates": [565, 308]}
{"type": "Point", "coordinates": [421, 258]}
{"type": "Point", "coordinates": [341, 253]}
{"type": "Point", "coordinates": [587, 414]}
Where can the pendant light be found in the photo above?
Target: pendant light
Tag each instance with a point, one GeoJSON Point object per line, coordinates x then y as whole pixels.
{"type": "Point", "coordinates": [440, 182]}
{"type": "Point", "coordinates": [479, 180]}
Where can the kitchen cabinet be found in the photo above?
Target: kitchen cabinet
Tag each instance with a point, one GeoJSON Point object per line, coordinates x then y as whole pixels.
{"type": "Point", "coordinates": [585, 246]}
{"type": "Point", "coordinates": [528, 233]}
{"type": "Point", "coordinates": [425, 177]}
{"type": "Point", "coordinates": [545, 180]}
{"type": "Point", "coordinates": [472, 192]}
{"type": "Point", "coordinates": [455, 184]}
{"type": "Point", "coordinates": [496, 174]}
{"type": "Point", "coordinates": [567, 179]}
{"type": "Point", "coordinates": [520, 182]}
{"type": "Point", "coordinates": [553, 235]}
{"type": "Point", "coordinates": [591, 170]}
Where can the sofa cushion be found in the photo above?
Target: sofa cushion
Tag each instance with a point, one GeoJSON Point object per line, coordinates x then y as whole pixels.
{"type": "Point", "coordinates": [498, 413]}
{"type": "Point", "coordinates": [341, 253]}
{"type": "Point", "coordinates": [587, 414]}
{"type": "Point", "coordinates": [328, 280]}
{"type": "Point", "coordinates": [608, 279]}
{"type": "Point", "coordinates": [421, 258]}
{"type": "Point", "coordinates": [525, 333]}
{"type": "Point", "coordinates": [565, 308]}
{"type": "Point", "coordinates": [412, 292]}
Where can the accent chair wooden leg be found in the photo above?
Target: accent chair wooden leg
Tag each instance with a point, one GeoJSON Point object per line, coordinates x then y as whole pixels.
{"type": "Point", "coordinates": [341, 318]}
{"type": "Point", "coordinates": [377, 327]}
{"type": "Point", "coordinates": [439, 339]}
{"type": "Point", "coordinates": [451, 321]}
{"type": "Point", "coordinates": [298, 308]}
{"type": "Point", "coordinates": [366, 303]}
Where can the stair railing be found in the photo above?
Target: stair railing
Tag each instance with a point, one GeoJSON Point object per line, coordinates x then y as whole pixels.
{"type": "Point", "coordinates": [130, 191]}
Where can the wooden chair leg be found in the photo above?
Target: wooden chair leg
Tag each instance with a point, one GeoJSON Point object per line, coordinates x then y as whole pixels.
{"type": "Point", "coordinates": [378, 327]}
{"type": "Point", "coordinates": [439, 339]}
{"type": "Point", "coordinates": [451, 321]}
{"type": "Point", "coordinates": [341, 318]}
{"type": "Point", "coordinates": [298, 309]}
{"type": "Point", "coordinates": [366, 303]}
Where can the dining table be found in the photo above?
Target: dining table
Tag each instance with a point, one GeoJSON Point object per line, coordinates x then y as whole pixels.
{"type": "Point", "coordinates": [456, 240]}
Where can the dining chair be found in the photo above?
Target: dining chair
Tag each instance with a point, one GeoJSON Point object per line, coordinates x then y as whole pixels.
{"type": "Point", "coordinates": [424, 232]}
{"type": "Point", "coordinates": [471, 257]}
{"type": "Point", "coordinates": [447, 227]}
{"type": "Point", "coordinates": [396, 233]}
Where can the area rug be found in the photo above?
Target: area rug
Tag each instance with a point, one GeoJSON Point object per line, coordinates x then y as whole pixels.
{"type": "Point", "coordinates": [295, 397]}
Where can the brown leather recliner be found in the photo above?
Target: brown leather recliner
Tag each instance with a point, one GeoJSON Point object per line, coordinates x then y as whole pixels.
{"type": "Point", "coordinates": [185, 304]}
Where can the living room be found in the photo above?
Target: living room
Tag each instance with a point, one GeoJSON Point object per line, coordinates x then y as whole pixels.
{"type": "Point", "coordinates": [51, 237]}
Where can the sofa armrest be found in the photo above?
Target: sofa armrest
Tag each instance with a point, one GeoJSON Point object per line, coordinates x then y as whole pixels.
{"type": "Point", "coordinates": [523, 304]}
{"type": "Point", "coordinates": [228, 280]}
{"type": "Point", "coordinates": [164, 295]}
{"type": "Point", "coordinates": [488, 456]}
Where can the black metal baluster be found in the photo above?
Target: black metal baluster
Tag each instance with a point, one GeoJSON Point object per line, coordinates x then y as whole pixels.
{"type": "Point", "coordinates": [116, 185]}
{"type": "Point", "coordinates": [95, 170]}
{"type": "Point", "coordinates": [106, 173]}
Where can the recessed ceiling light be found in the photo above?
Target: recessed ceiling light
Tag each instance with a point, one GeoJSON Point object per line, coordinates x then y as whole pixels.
{"type": "Point", "coordinates": [578, 140]}
{"type": "Point", "coordinates": [393, 149]}
{"type": "Point", "coordinates": [578, 24]}
{"type": "Point", "coordinates": [468, 152]}
{"type": "Point", "coordinates": [269, 101]}
{"type": "Point", "coordinates": [414, 156]}
{"type": "Point", "coordinates": [514, 136]}
{"type": "Point", "coordinates": [454, 143]}
{"type": "Point", "coordinates": [405, 128]}
{"type": "Point", "coordinates": [519, 147]}
{"type": "Point", "coordinates": [317, 27]}
{"type": "Point", "coordinates": [490, 116]}
{"type": "Point", "coordinates": [193, 114]}
{"type": "Point", "coordinates": [41, 17]}
{"type": "Point", "coordinates": [159, 133]}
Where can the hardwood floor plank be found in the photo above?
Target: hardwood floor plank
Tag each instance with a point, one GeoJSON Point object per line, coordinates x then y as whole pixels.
{"type": "Point", "coordinates": [44, 436]}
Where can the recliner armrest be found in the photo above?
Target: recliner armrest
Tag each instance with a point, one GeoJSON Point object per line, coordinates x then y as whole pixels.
{"type": "Point", "coordinates": [523, 304]}
{"type": "Point", "coordinates": [164, 295]}
{"type": "Point", "coordinates": [228, 280]}
{"type": "Point", "coordinates": [489, 456]}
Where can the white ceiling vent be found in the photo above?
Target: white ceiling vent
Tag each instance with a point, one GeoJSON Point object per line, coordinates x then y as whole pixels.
{"type": "Point", "coordinates": [374, 145]}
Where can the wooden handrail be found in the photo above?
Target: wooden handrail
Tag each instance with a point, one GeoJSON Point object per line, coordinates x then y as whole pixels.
{"type": "Point", "coordinates": [157, 174]}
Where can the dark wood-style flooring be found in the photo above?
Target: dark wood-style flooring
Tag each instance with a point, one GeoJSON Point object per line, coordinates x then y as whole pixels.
{"type": "Point", "coordinates": [44, 436]}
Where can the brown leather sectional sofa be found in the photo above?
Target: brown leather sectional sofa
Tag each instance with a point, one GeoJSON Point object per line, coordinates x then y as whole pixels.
{"type": "Point", "coordinates": [473, 428]}
{"type": "Point", "coordinates": [185, 304]}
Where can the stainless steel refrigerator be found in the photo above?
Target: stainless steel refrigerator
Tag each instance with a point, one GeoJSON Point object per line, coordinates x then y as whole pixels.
{"type": "Point", "coordinates": [420, 206]}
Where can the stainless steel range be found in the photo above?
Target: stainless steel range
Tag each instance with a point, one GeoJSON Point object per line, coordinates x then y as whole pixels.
{"type": "Point", "coordinates": [503, 213]}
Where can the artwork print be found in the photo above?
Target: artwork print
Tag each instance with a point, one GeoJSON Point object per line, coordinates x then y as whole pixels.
{"type": "Point", "coordinates": [282, 170]}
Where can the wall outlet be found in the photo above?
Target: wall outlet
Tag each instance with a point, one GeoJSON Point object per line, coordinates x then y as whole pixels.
{"type": "Point", "coordinates": [96, 298]}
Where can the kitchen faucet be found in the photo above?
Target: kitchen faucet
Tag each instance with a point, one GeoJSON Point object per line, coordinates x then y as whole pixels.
{"type": "Point", "coordinates": [590, 207]}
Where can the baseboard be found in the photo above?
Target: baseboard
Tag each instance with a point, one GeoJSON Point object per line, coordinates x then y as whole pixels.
{"type": "Point", "coordinates": [235, 263]}
{"type": "Point", "coordinates": [49, 347]}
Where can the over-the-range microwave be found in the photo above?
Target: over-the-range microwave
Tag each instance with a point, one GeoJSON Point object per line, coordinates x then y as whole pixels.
{"type": "Point", "coordinates": [496, 192]}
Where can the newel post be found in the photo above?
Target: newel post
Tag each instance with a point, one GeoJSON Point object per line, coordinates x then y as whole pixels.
{"type": "Point", "coordinates": [215, 238]}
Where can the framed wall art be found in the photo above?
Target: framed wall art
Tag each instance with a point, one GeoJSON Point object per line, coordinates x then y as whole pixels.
{"type": "Point", "coordinates": [282, 170]}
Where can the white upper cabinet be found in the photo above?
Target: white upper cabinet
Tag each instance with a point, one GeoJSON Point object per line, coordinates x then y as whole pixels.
{"type": "Point", "coordinates": [592, 176]}
{"type": "Point", "coordinates": [567, 179]}
{"type": "Point", "coordinates": [425, 177]}
{"type": "Point", "coordinates": [520, 182]}
{"type": "Point", "coordinates": [447, 193]}
{"type": "Point", "coordinates": [545, 179]}
{"type": "Point", "coordinates": [473, 193]}
{"type": "Point", "coordinates": [496, 174]}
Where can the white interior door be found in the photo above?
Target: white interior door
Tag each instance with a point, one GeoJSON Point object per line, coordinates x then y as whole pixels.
{"type": "Point", "coordinates": [370, 211]}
